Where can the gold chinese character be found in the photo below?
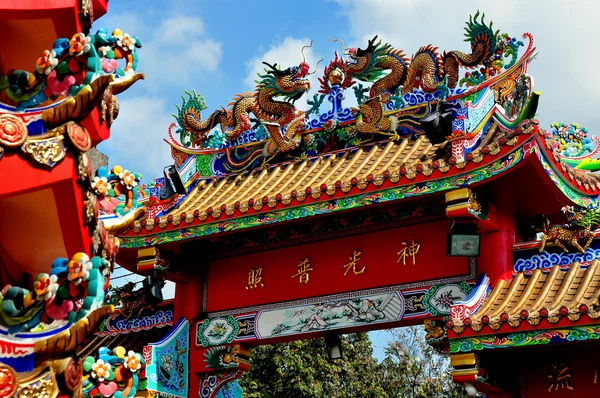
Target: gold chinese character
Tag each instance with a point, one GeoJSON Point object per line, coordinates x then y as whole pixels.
{"type": "Point", "coordinates": [409, 251]}
{"type": "Point", "coordinates": [354, 259]}
{"type": "Point", "coordinates": [560, 376]}
{"type": "Point", "coordinates": [255, 279]}
{"type": "Point", "coordinates": [304, 269]}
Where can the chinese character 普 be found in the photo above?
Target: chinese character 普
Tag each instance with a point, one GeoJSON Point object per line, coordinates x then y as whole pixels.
{"type": "Point", "coordinates": [304, 269]}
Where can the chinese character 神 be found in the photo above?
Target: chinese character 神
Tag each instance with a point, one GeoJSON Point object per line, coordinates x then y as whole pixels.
{"type": "Point", "coordinates": [409, 251]}
{"type": "Point", "coordinates": [304, 269]}
{"type": "Point", "coordinates": [255, 279]}
{"type": "Point", "coordinates": [354, 259]}
{"type": "Point", "coordinates": [560, 376]}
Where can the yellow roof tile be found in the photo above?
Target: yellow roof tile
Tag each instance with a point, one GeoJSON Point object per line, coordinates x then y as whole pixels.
{"type": "Point", "coordinates": [552, 295]}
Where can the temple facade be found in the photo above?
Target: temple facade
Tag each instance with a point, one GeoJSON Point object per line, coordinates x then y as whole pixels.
{"type": "Point", "coordinates": [414, 190]}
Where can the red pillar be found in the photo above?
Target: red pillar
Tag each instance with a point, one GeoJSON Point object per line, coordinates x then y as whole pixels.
{"type": "Point", "coordinates": [188, 304]}
{"type": "Point", "coordinates": [495, 259]}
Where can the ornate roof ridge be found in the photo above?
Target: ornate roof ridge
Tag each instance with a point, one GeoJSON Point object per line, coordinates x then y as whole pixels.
{"type": "Point", "coordinates": [325, 178]}
{"type": "Point", "coordinates": [544, 295]}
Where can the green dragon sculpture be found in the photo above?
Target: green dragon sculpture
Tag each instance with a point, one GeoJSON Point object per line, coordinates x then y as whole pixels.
{"type": "Point", "coordinates": [289, 85]}
{"type": "Point", "coordinates": [392, 72]}
{"type": "Point", "coordinates": [427, 68]}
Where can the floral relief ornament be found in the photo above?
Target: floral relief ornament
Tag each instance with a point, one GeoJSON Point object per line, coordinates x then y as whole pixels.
{"type": "Point", "coordinates": [13, 131]}
{"type": "Point", "coordinates": [79, 137]}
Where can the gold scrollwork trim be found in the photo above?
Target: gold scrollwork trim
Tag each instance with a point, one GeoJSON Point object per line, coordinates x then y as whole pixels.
{"type": "Point", "coordinates": [47, 152]}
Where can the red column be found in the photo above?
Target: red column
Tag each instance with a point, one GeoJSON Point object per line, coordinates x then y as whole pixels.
{"type": "Point", "coordinates": [188, 304]}
{"type": "Point", "coordinates": [495, 259]}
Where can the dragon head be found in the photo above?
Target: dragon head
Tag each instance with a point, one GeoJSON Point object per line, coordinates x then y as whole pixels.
{"type": "Point", "coordinates": [361, 63]}
{"type": "Point", "coordinates": [290, 83]}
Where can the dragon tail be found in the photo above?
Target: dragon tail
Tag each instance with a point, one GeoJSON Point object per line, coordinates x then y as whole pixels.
{"type": "Point", "coordinates": [243, 163]}
{"type": "Point", "coordinates": [483, 41]}
{"type": "Point", "coordinates": [199, 129]}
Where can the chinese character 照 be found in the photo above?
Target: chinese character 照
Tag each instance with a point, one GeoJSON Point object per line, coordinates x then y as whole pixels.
{"type": "Point", "coordinates": [255, 279]}
{"type": "Point", "coordinates": [354, 259]}
{"type": "Point", "coordinates": [304, 269]}
{"type": "Point", "coordinates": [409, 251]}
{"type": "Point", "coordinates": [560, 376]}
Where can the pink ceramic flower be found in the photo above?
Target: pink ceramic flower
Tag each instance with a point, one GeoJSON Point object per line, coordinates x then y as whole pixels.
{"type": "Point", "coordinates": [59, 87]}
{"type": "Point", "coordinates": [108, 204]}
{"type": "Point", "coordinates": [61, 311]}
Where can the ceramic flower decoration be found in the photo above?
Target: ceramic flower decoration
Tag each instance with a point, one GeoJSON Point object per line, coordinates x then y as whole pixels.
{"type": "Point", "coordinates": [100, 185]}
{"type": "Point", "coordinates": [79, 270]}
{"type": "Point", "coordinates": [46, 286]}
{"type": "Point", "coordinates": [133, 361]}
{"type": "Point", "coordinates": [79, 44]}
{"type": "Point", "coordinates": [100, 370]}
{"type": "Point", "coordinates": [128, 179]}
{"type": "Point", "coordinates": [126, 42]}
{"type": "Point", "coordinates": [46, 62]}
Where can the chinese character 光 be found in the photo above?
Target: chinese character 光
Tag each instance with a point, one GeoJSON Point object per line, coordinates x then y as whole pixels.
{"type": "Point", "coordinates": [409, 251]}
{"type": "Point", "coordinates": [560, 377]}
{"type": "Point", "coordinates": [304, 269]}
{"type": "Point", "coordinates": [354, 259]}
{"type": "Point", "coordinates": [255, 279]}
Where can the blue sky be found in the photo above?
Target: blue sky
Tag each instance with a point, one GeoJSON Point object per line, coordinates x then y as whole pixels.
{"type": "Point", "coordinates": [216, 47]}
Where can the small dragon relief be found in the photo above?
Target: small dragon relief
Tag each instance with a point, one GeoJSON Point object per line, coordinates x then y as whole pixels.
{"type": "Point", "coordinates": [581, 223]}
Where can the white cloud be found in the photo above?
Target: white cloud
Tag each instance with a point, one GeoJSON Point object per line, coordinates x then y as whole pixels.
{"type": "Point", "coordinates": [565, 70]}
{"type": "Point", "coordinates": [206, 53]}
{"type": "Point", "coordinates": [174, 52]}
{"type": "Point", "coordinates": [172, 30]}
{"type": "Point", "coordinates": [286, 53]}
{"type": "Point", "coordinates": [136, 140]}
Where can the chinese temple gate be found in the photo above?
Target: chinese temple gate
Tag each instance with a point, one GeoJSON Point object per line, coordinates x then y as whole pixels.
{"type": "Point", "coordinates": [420, 204]}
{"type": "Point", "coordinates": [434, 198]}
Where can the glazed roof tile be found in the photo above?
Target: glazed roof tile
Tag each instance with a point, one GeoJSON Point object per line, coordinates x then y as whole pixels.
{"type": "Point", "coordinates": [542, 295]}
{"type": "Point", "coordinates": [341, 173]}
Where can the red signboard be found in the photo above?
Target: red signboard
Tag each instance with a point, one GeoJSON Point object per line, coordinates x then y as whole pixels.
{"type": "Point", "coordinates": [384, 258]}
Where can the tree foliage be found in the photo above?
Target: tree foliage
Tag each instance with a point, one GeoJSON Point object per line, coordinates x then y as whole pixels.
{"type": "Point", "coordinates": [413, 369]}
{"type": "Point", "coordinates": [301, 369]}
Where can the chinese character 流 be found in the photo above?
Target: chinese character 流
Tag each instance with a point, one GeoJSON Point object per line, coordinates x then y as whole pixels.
{"type": "Point", "coordinates": [409, 251]}
{"type": "Point", "coordinates": [304, 269]}
{"type": "Point", "coordinates": [560, 376]}
{"type": "Point", "coordinates": [255, 279]}
{"type": "Point", "coordinates": [354, 259]}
